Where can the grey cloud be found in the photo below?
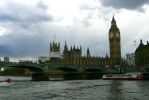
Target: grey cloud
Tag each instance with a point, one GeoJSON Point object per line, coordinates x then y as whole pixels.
{"type": "Point", "coordinates": [126, 4]}
{"type": "Point", "coordinates": [23, 15]}
{"type": "Point", "coordinates": [30, 37]}
{"type": "Point", "coordinates": [41, 5]}
{"type": "Point", "coordinates": [21, 45]}
{"type": "Point", "coordinates": [38, 43]}
{"type": "Point", "coordinates": [5, 50]}
{"type": "Point", "coordinates": [85, 7]}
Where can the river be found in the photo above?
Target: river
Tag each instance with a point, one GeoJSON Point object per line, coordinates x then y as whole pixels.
{"type": "Point", "coordinates": [24, 89]}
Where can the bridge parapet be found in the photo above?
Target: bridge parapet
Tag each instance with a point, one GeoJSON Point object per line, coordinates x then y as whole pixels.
{"type": "Point", "coordinates": [32, 67]}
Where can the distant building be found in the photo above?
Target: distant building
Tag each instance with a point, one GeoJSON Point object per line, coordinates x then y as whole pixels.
{"type": "Point", "coordinates": [25, 62]}
{"type": "Point", "coordinates": [55, 56]}
{"type": "Point", "coordinates": [42, 59]}
{"type": "Point", "coordinates": [6, 59]}
{"type": "Point", "coordinates": [142, 54]}
{"type": "Point", "coordinates": [130, 58]}
{"type": "Point", "coordinates": [55, 51]}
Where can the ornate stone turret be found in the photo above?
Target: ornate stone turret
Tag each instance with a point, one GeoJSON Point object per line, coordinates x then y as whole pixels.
{"type": "Point", "coordinates": [55, 50]}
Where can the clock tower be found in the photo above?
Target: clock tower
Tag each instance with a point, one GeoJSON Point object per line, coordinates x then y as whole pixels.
{"type": "Point", "coordinates": [114, 43]}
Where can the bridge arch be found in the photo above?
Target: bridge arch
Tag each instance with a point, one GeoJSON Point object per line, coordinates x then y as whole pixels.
{"type": "Point", "coordinates": [93, 73]}
{"type": "Point", "coordinates": [33, 68]}
{"type": "Point", "coordinates": [67, 69]}
{"type": "Point", "coordinates": [39, 72]}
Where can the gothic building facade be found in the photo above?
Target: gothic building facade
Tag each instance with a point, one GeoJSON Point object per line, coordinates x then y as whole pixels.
{"type": "Point", "coordinates": [72, 56]}
{"type": "Point", "coordinates": [142, 54]}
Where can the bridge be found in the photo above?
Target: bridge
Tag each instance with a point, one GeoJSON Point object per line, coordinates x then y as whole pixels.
{"type": "Point", "coordinates": [40, 71]}
{"type": "Point", "coordinates": [37, 70]}
{"type": "Point", "coordinates": [32, 67]}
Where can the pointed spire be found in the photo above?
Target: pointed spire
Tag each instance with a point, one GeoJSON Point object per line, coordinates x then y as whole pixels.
{"type": "Point", "coordinates": [65, 47]}
{"type": "Point", "coordinates": [88, 53]}
{"type": "Point", "coordinates": [50, 47]}
{"type": "Point", "coordinates": [65, 44]}
{"type": "Point", "coordinates": [80, 49]}
{"type": "Point", "coordinates": [107, 55]}
{"type": "Point", "coordinates": [141, 41]}
{"type": "Point", "coordinates": [113, 22]}
{"type": "Point", "coordinates": [71, 48]}
{"type": "Point", "coordinates": [88, 50]}
{"type": "Point", "coordinates": [74, 47]}
{"type": "Point", "coordinates": [147, 43]}
{"type": "Point", "coordinates": [54, 38]}
{"type": "Point", "coordinates": [59, 44]}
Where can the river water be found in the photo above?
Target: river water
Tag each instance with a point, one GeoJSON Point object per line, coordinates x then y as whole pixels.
{"type": "Point", "coordinates": [24, 89]}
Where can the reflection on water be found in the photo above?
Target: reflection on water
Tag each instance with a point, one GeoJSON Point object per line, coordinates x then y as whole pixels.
{"type": "Point", "coordinates": [115, 92]}
{"type": "Point", "coordinates": [76, 90]}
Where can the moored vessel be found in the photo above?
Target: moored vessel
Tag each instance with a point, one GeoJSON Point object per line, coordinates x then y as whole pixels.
{"type": "Point", "coordinates": [125, 76]}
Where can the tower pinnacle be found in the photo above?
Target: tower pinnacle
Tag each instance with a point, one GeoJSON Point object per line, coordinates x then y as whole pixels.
{"type": "Point", "coordinates": [88, 52]}
{"type": "Point", "coordinates": [113, 22]}
{"type": "Point", "coordinates": [65, 47]}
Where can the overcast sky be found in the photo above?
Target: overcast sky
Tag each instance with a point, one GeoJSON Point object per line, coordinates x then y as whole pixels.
{"type": "Point", "coordinates": [28, 26]}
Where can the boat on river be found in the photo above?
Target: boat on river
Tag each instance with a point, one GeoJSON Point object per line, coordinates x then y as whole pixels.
{"type": "Point", "coordinates": [6, 82]}
{"type": "Point", "coordinates": [125, 76]}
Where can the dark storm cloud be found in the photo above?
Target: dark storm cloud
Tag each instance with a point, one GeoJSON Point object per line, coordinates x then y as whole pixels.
{"type": "Point", "coordinates": [32, 18]}
{"type": "Point", "coordinates": [24, 25]}
{"type": "Point", "coordinates": [22, 14]}
{"type": "Point", "coordinates": [126, 4]}
{"type": "Point", "coordinates": [21, 45]}
{"type": "Point", "coordinates": [5, 51]}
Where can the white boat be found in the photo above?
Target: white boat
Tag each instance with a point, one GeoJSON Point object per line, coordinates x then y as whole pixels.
{"type": "Point", "coordinates": [5, 84]}
{"type": "Point", "coordinates": [126, 76]}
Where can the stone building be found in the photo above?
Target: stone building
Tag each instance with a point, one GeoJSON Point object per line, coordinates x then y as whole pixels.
{"type": "Point", "coordinates": [72, 56]}
{"type": "Point", "coordinates": [55, 56]}
{"type": "Point", "coordinates": [130, 59]}
{"type": "Point", "coordinates": [6, 59]}
{"type": "Point", "coordinates": [114, 43]}
{"type": "Point", "coordinates": [90, 60]}
{"type": "Point", "coordinates": [142, 54]}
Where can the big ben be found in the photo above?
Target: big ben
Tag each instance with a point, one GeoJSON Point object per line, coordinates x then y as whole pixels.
{"type": "Point", "coordinates": [114, 43]}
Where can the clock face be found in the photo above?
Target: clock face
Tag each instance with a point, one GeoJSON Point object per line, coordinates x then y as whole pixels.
{"type": "Point", "coordinates": [117, 35]}
{"type": "Point", "coordinates": [111, 35]}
